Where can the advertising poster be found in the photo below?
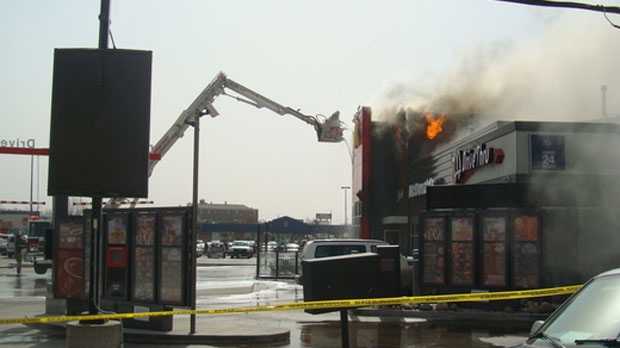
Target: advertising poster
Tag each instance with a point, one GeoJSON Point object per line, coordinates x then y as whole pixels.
{"type": "Point", "coordinates": [171, 284]}
{"type": "Point", "coordinates": [145, 234]}
{"type": "Point", "coordinates": [526, 252]}
{"type": "Point", "coordinates": [462, 251]}
{"type": "Point", "coordinates": [69, 260]}
{"type": "Point", "coordinates": [144, 275]}
{"type": "Point", "coordinates": [117, 229]}
{"type": "Point", "coordinates": [434, 250]}
{"type": "Point", "coordinates": [69, 274]}
{"type": "Point", "coordinates": [70, 235]}
{"type": "Point", "coordinates": [171, 232]}
{"type": "Point", "coordinates": [171, 262]}
{"type": "Point", "coordinates": [494, 251]}
{"type": "Point", "coordinates": [144, 259]}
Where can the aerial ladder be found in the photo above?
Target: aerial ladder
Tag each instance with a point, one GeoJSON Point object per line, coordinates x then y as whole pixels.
{"type": "Point", "coordinates": [328, 129]}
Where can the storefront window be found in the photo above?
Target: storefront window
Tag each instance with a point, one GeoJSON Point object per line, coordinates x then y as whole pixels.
{"type": "Point", "coordinates": [462, 251]}
{"type": "Point", "coordinates": [433, 258]}
{"type": "Point", "coordinates": [494, 251]}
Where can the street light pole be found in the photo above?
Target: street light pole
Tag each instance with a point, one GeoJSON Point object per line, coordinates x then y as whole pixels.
{"type": "Point", "coordinates": [345, 188]}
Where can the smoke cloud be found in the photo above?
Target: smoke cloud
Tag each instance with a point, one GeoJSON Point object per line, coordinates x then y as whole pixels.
{"type": "Point", "coordinates": [556, 77]}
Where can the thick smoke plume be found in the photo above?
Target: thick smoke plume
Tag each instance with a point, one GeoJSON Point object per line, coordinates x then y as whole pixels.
{"type": "Point", "coordinates": [556, 77]}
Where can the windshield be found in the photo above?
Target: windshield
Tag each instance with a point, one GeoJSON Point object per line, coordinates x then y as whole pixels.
{"type": "Point", "coordinates": [594, 313]}
{"type": "Point", "coordinates": [37, 228]}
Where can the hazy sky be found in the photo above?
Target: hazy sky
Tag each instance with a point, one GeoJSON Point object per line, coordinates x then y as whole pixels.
{"type": "Point", "coordinates": [317, 56]}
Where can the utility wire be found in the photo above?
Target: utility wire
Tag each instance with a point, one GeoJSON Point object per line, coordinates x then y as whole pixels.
{"type": "Point", "coordinates": [570, 4]}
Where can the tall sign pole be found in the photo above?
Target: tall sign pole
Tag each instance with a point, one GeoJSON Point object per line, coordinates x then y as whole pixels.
{"type": "Point", "coordinates": [194, 229]}
{"type": "Point", "coordinates": [345, 188]}
{"type": "Point", "coordinates": [97, 201]}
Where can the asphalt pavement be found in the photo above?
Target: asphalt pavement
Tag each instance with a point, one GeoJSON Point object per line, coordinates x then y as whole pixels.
{"type": "Point", "coordinates": [23, 301]}
{"type": "Point", "coordinates": [27, 295]}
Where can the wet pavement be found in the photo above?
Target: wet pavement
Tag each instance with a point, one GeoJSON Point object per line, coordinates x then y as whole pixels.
{"type": "Point", "coordinates": [230, 283]}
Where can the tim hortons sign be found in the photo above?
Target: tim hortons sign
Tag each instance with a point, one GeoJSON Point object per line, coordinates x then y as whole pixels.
{"type": "Point", "coordinates": [467, 161]}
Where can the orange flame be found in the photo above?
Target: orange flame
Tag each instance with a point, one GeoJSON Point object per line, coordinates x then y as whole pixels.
{"type": "Point", "coordinates": [433, 127]}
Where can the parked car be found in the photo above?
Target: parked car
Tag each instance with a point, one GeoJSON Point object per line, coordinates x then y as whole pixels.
{"type": "Point", "coordinates": [589, 317]}
{"type": "Point", "coordinates": [4, 240]}
{"type": "Point", "coordinates": [200, 248]}
{"type": "Point", "coordinates": [241, 248]}
{"type": "Point", "coordinates": [272, 245]}
{"type": "Point", "coordinates": [217, 250]}
{"type": "Point", "coordinates": [10, 246]}
{"type": "Point", "coordinates": [291, 247]}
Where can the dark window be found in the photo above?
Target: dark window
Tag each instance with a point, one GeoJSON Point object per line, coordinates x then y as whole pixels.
{"type": "Point", "coordinates": [337, 250]}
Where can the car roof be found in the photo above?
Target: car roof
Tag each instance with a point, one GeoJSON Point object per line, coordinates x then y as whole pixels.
{"type": "Point", "coordinates": [348, 240]}
{"type": "Point", "coordinates": [615, 271]}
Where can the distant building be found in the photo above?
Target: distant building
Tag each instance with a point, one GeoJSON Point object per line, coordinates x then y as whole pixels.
{"type": "Point", "coordinates": [15, 221]}
{"type": "Point", "coordinates": [284, 229]}
{"type": "Point", "coordinates": [226, 213]}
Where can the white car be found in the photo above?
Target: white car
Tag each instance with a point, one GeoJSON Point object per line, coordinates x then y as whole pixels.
{"type": "Point", "coordinates": [241, 248]}
{"type": "Point", "coordinates": [4, 240]}
{"type": "Point", "coordinates": [588, 318]}
{"type": "Point", "coordinates": [200, 248]}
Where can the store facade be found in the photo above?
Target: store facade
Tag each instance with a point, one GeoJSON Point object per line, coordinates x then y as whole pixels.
{"type": "Point", "coordinates": [515, 205]}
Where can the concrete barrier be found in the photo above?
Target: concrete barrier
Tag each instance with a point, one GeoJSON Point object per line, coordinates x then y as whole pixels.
{"type": "Point", "coordinates": [106, 335]}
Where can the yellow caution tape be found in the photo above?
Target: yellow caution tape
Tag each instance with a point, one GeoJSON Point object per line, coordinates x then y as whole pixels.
{"type": "Point", "coordinates": [327, 304]}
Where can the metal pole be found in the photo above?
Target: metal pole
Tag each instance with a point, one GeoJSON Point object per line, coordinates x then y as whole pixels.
{"type": "Point", "coordinates": [257, 250]}
{"type": "Point", "coordinates": [93, 289]}
{"type": "Point", "coordinates": [104, 24]}
{"type": "Point", "coordinates": [345, 188]}
{"type": "Point", "coordinates": [344, 328]}
{"type": "Point", "coordinates": [96, 214]}
{"type": "Point", "coordinates": [31, 181]}
{"type": "Point", "coordinates": [196, 125]}
{"type": "Point", "coordinates": [604, 101]}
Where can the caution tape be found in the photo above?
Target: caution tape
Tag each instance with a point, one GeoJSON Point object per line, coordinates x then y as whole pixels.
{"type": "Point", "coordinates": [327, 304]}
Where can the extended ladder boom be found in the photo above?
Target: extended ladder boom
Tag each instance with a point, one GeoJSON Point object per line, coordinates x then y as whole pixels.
{"type": "Point", "coordinates": [329, 130]}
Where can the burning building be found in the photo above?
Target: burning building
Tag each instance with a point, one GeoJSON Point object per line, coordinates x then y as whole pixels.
{"type": "Point", "coordinates": [512, 205]}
